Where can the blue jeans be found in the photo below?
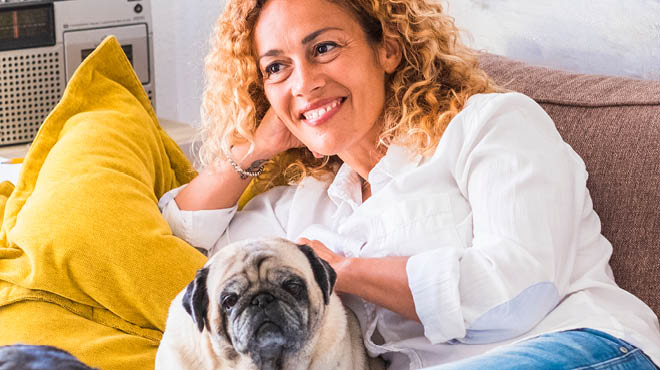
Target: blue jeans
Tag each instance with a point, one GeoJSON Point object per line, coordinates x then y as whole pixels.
{"type": "Point", "coordinates": [573, 349]}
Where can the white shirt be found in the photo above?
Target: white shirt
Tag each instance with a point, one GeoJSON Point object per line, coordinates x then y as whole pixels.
{"type": "Point", "coordinates": [504, 242]}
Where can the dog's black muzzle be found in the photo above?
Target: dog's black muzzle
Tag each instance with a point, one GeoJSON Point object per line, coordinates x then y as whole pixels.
{"type": "Point", "coordinates": [275, 328]}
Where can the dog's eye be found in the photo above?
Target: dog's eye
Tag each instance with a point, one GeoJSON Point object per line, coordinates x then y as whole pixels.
{"type": "Point", "coordinates": [228, 301]}
{"type": "Point", "coordinates": [294, 287]}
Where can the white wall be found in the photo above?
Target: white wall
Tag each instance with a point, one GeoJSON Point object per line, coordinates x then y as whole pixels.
{"type": "Point", "coordinates": [616, 37]}
{"type": "Point", "coordinates": [613, 37]}
{"type": "Point", "coordinates": [181, 32]}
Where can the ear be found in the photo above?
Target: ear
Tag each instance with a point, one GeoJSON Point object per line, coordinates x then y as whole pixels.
{"type": "Point", "coordinates": [389, 54]}
{"type": "Point", "coordinates": [324, 274]}
{"type": "Point", "coordinates": [196, 299]}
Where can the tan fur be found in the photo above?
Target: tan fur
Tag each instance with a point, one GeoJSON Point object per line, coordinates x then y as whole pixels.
{"type": "Point", "coordinates": [336, 342]}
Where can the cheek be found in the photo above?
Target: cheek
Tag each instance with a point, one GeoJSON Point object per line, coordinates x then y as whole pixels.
{"type": "Point", "coordinates": [367, 85]}
{"type": "Point", "coordinates": [278, 101]}
{"type": "Point", "coordinates": [218, 321]}
{"type": "Point", "coordinates": [281, 104]}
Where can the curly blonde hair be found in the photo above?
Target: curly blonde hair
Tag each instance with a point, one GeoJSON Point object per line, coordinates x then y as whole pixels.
{"type": "Point", "coordinates": [430, 86]}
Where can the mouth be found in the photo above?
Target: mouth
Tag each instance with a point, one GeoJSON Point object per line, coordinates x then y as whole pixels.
{"type": "Point", "coordinates": [320, 114]}
{"type": "Point", "coordinates": [269, 340]}
{"type": "Point", "coordinates": [269, 335]}
{"type": "Point", "coordinates": [266, 328]}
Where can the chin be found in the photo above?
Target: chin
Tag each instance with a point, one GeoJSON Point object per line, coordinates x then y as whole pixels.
{"type": "Point", "coordinates": [324, 150]}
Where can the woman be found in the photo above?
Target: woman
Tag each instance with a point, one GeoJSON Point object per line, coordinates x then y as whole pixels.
{"type": "Point", "coordinates": [457, 220]}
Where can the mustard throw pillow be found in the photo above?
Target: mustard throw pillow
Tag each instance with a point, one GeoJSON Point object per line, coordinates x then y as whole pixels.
{"type": "Point", "coordinates": [82, 229]}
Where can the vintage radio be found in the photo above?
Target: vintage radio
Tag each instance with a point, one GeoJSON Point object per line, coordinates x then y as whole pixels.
{"type": "Point", "coordinates": [42, 42]}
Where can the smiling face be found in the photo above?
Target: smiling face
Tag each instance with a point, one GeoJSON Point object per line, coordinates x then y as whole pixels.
{"type": "Point", "coordinates": [322, 76]}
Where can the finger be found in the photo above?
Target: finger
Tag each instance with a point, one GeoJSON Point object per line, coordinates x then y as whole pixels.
{"type": "Point", "coordinates": [316, 245]}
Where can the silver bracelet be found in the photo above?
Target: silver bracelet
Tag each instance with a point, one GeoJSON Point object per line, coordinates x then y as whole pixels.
{"type": "Point", "coordinates": [254, 170]}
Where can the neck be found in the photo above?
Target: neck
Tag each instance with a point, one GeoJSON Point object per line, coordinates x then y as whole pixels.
{"type": "Point", "coordinates": [363, 156]}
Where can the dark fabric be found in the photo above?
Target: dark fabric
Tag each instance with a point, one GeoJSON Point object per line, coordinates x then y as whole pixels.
{"type": "Point", "coordinates": [613, 123]}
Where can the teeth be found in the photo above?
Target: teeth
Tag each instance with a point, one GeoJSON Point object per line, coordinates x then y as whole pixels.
{"type": "Point", "coordinates": [316, 113]}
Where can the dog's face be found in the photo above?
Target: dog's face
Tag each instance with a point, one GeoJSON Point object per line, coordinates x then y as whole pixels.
{"type": "Point", "coordinates": [261, 298]}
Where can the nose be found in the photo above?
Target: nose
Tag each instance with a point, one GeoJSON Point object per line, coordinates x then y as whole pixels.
{"type": "Point", "coordinates": [307, 80]}
{"type": "Point", "coordinates": [262, 300]}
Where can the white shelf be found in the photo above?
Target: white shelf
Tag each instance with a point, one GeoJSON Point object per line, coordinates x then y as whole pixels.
{"type": "Point", "coordinates": [182, 133]}
{"type": "Point", "coordinates": [14, 151]}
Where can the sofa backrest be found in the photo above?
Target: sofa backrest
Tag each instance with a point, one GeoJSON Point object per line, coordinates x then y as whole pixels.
{"type": "Point", "coordinates": [613, 123]}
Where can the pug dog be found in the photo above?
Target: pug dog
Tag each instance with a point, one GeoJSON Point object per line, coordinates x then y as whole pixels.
{"type": "Point", "coordinates": [263, 304]}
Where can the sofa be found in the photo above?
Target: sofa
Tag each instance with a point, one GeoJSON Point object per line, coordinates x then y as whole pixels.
{"type": "Point", "coordinates": [613, 123]}
{"type": "Point", "coordinates": [88, 264]}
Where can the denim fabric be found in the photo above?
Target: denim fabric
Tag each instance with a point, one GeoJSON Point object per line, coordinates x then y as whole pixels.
{"type": "Point", "coordinates": [573, 349]}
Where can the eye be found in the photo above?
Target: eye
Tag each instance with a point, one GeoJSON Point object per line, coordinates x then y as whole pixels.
{"type": "Point", "coordinates": [294, 287]}
{"type": "Point", "coordinates": [228, 301]}
{"type": "Point", "coordinates": [324, 47]}
{"type": "Point", "coordinates": [273, 68]}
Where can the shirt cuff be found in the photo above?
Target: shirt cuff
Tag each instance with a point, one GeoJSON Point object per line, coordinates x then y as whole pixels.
{"type": "Point", "coordinates": [433, 279]}
{"type": "Point", "coordinates": [201, 228]}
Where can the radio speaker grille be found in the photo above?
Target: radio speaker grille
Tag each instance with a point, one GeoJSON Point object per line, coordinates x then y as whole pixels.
{"type": "Point", "coordinates": [31, 84]}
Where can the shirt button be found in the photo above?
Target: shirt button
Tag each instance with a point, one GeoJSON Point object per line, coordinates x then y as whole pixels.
{"type": "Point", "coordinates": [623, 349]}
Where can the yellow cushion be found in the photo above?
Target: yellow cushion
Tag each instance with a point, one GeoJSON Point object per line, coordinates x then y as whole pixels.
{"type": "Point", "coordinates": [35, 322]}
{"type": "Point", "coordinates": [82, 229]}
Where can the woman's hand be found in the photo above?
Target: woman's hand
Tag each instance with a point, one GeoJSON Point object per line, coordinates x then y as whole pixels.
{"type": "Point", "coordinates": [335, 260]}
{"type": "Point", "coordinates": [220, 187]}
{"type": "Point", "coordinates": [383, 281]}
{"type": "Point", "coordinates": [273, 137]}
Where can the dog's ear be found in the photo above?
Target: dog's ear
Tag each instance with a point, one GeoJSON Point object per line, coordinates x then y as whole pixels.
{"type": "Point", "coordinates": [324, 274]}
{"type": "Point", "coordinates": [196, 299]}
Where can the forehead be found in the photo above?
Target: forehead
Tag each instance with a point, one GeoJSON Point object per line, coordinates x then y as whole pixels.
{"type": "Point", "coordinates": [248, 259]}
{"type": "Point", "coordinates": [285, 23]}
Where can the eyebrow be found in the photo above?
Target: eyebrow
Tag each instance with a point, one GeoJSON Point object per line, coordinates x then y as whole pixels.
{"type": "Point", "coordinates": [306, 40]}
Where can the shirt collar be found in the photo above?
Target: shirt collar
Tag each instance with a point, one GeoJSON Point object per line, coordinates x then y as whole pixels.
{"type": "Point", "coordinates": [347, 186]}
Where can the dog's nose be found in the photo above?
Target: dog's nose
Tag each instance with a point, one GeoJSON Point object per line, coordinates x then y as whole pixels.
{"type": "Point", "coordinates": [262, 299]}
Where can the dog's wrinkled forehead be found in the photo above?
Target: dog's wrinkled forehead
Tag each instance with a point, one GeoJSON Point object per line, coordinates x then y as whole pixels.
{"type": "Point", "coordinates": [250, 257]}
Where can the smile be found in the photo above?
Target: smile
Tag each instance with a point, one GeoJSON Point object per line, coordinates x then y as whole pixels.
{"type": "Point", "coordinates": [323, 113]}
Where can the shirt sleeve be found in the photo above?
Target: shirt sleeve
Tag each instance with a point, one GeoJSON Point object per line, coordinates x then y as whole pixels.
{"type": "Point", "coordinates": [265, 215]}
{"type": "Point", "coordinates": [527, 191]}
{"type": "Point", "coordinates": [202, 228]}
